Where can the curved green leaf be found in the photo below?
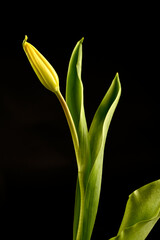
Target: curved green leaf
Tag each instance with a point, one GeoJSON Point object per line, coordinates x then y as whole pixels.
{"type": "Point", "coordinates": [101, 121]}
{"type": "Point", "coordinates": [97, 134]}
{"type": "Point", "coordinates": [75, 102]}
{"type": "Point", "coordinates": [141, 213]}
{"type": "Point", "coordinates": [74, 86]}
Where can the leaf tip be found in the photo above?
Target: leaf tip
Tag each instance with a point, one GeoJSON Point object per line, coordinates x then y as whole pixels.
{"type": "Point", "coordinates": [117, 75]}
{"type": "Point", "coordinates": [82, 39]}
{"type": "Point", "coordinates": [118, 81]}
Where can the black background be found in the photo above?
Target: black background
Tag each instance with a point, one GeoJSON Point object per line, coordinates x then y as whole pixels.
{"type": "Point", "coordinates": [37, 163]}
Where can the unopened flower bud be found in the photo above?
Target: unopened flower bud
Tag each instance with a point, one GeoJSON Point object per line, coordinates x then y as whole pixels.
{"type": "Point", "coordinates": [43, 69]}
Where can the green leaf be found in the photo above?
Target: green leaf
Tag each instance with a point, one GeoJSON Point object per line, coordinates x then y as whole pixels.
{"type": "Point", "coordinates": [141, 213]}
{"type": "Point", "coordinates": [98, 133]}
{"type": "Point", "coordinates": [75, 102]}
{"type": "Point", "coordinates": [100, 124]}
{"type": "Point", "coordinates": [74, 86]}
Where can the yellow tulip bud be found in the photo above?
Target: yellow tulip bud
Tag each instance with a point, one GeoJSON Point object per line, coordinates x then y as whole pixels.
{"type": "Point", "coordinates": [43, 69]}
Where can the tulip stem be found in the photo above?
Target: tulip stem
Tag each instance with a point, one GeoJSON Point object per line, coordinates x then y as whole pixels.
{"type": "Point", "coordinates": [76, 146]}
{"type": "Point", "coordinates": [81, 214]}
{"type": "Point", "coordinates": [70, 121]}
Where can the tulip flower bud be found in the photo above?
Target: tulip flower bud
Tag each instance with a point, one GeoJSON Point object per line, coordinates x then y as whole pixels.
{"type": "Point", "coordinates": [43, 69]}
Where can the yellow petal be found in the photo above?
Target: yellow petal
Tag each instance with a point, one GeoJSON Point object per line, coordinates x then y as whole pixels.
{"type": "Point", "coordinates": [43, 69]}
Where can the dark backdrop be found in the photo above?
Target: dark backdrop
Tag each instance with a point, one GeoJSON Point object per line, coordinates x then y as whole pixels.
{"type": "Point", "coordinates": [37, 163]}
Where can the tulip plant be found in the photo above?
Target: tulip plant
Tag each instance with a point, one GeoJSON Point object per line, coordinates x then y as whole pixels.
{"type": "Point", "coordinates": [143, 206]}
